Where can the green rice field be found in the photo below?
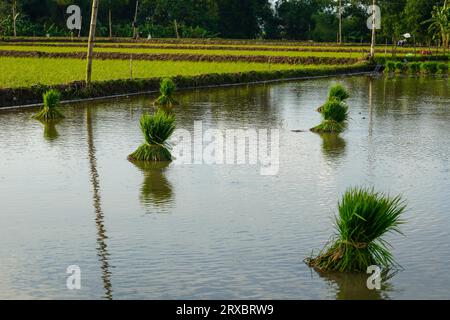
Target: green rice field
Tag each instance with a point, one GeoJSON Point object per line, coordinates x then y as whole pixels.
{"type": "Point", "coordinates": [23, 72]}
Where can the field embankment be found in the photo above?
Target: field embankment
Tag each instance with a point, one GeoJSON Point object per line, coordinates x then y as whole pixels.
{"type": "Point", "coordinates": [78, 90]}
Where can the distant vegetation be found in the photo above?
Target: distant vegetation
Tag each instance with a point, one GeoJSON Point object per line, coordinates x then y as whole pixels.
{"type": "Point", "coordinates": [318, 20]}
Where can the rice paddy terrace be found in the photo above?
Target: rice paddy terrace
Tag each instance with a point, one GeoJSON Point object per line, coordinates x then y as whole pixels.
{"type": "Point", "coordinates": [26, 62]}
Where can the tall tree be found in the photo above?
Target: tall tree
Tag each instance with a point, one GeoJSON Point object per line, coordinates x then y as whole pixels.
{"type": "Point", "coordinates": [242, 18]}
{"type": "Point", "coordinates": [392, 22]}
{"type": "Point", "coordinates": [298, 17]}
{"type": "Point", "coordinates": [113, 6]}
{"type": "Point", "coordinates": [414, 13]}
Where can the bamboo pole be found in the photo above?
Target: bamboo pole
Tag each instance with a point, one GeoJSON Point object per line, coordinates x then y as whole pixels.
{"type": "Point", "coordinates": [91, 41]}
{"type": "Point", "coordinates": [14, 16]}
{"type": "Point", "coordinates": [340, 21]}
{"type": "Point", "coordinates": [135, 30]}
{"type": "Point", "coordinates": [372, 46]}
{"type": "Point", "coordinates": [110, 24]}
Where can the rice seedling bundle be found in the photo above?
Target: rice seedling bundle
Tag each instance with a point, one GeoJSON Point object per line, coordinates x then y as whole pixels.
{"type": "Point", "coordinates": [335, 115]}
{"type": "Point", "coordinates": [429, 67]}
{"type": "Point", "coordinates": [390, 67]}
{"type": "Point", "coordinates": [156, 129]}
{"type": "Point", "coordinates": [335, 110]}
{"type": "Point", "coordinates": [50, 110]}
{"type": "Point", "coordinates": [167, 90]}
{"type": "Point", "coordinates": [414, 67]}
{"type": "Point", "coordinates": [329, 126]}
{"type": "Point", "coordinates": [338, 92]}
{"type": "Point", "coordinates": [443, 68]}
{"type": "Point", "coordinates": [364, 218]}
{"type": "Point", "coordinates": [400, 67]}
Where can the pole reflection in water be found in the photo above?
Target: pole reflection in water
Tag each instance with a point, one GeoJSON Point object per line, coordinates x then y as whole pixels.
{"type": "Point", "coordinates": [102, 247]}
{"type": "Point", "coordinates": [156, 190]}
{"type": "Point", "coordinates": [370, 148]}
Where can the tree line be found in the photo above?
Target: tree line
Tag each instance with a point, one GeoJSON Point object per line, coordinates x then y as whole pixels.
{"type": "Point", "coordinates": [316, 20]}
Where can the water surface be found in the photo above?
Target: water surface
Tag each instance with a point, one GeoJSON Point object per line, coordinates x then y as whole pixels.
{"type": "Point", "coordinates": [68, 196]}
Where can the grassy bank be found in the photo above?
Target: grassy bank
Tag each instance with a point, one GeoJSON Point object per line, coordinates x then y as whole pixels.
{"type": "Point", "coordinates": [77, 90]}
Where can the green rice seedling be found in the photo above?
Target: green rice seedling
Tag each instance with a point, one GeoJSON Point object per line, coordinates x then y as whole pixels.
{"type": "Point", "coordinates": [167, 89]}
{"type": "Point", "coordinates": [400, 67]}
{"type": "Point", "coordinates": [365, 216]}
{"type": "Point", "coordinates": [429, 67]}
{"type": "Point", "coordinates": [25, 72]}
{"type": "Point", "coordinates": [157, 129]}
{"type": "Point", "coordinates": [49, 111]}
{"type": "Point", "coordinates": [335, 110]}
{"type": "Point", "coordinates": [390, 67]}
{"type": "Point", "coordinates": [414, 67]}
{"type": "Point", "coordinates": [338, 92]}
{"type": "Point", "coordinates": [443, 68]}
{"type": "Point", "coordinates": [334, 114]}
{"type": "Point", "coordinates": [330, 126]}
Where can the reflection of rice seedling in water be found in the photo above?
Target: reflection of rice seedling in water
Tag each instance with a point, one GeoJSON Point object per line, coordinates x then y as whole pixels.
{"type": "Point", "coordinates": [364, 218]}
{"type": "Point", "coordinates": [333, 145]}
{"type": "Point", "coordinates": [335, 115]}
{"type": "Point", "coordinates": [353, 286]}
{"type": "Point", "coordinates": [156, 189]}
{"type": "Point", "coordinates": [157, 129]}
{"type": "Point", "coordinates": [167, 89]}
{"type": "Point", "coordinates": [50, 132]}
{"type": "Point", "coordinates": [50, 109]}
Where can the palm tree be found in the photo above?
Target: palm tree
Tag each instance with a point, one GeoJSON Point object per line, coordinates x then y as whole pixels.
{"type": "Point", "coordinates": [440, 23]}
